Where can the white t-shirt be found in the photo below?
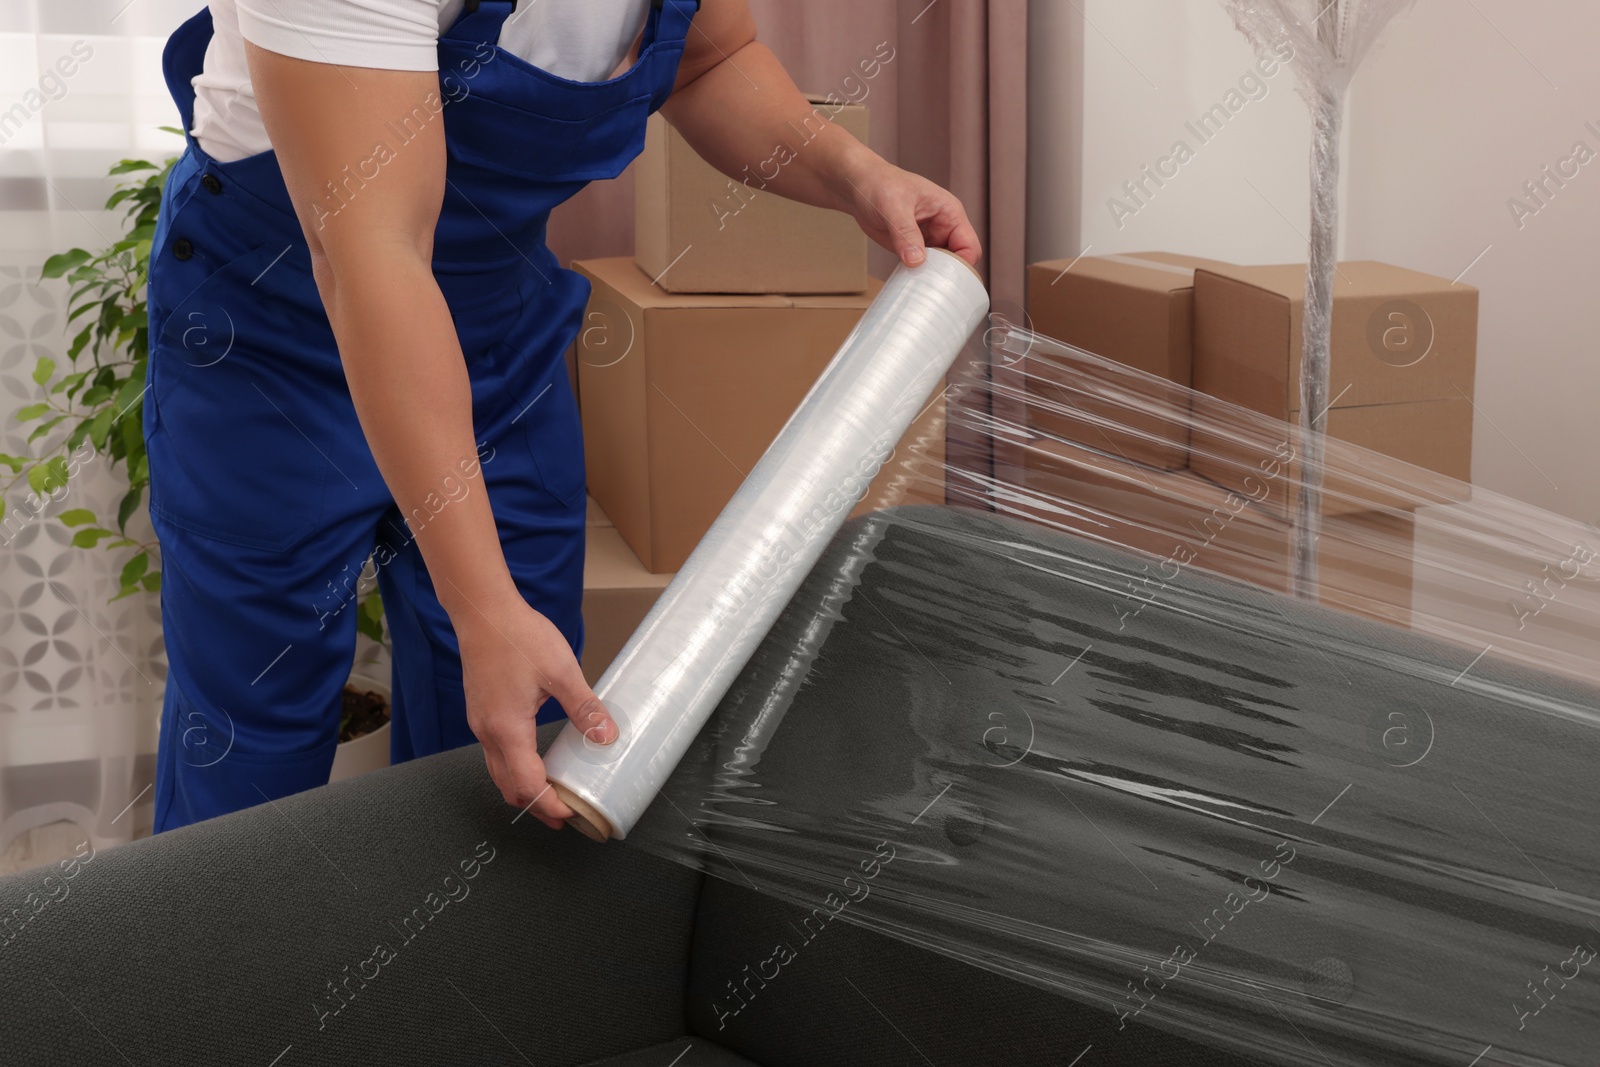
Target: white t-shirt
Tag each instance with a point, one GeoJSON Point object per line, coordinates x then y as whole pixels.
{"type": "Point", "coordinates": [582, 40]}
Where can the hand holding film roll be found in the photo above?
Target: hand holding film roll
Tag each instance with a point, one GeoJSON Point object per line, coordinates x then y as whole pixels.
{"type": "Point", "coordinates": [678, 664]}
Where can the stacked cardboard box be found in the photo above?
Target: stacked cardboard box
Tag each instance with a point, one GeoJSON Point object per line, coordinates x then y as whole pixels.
{"type": "Point", "coordinates": [1182, 519]}
{"type": "Point", "coordinates": [697, 230]}
{"type": "Point", "coordinates": [695, 352]}
{"type": "Point", "coordinates": [1137, 309]}
{"type": "Point", "coordinates": [1400, 378]}
{"type": "Point", "coordinates": [1180, 474]}
{"type": "Point", "coordinates": [681, 394]}
{"type": "Point", "coordinates": [617, 593]}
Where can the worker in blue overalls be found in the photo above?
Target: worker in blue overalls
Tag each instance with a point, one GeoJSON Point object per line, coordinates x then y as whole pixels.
{"type": "Point", "coordinates": [357, 339]}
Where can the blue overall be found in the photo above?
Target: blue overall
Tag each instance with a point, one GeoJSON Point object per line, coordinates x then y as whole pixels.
{"type": "Point", "coordinates": [263, 492]}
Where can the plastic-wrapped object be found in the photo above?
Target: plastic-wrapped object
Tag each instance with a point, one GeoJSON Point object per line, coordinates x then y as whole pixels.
{"type": "Point", "coordinates": [708, 621]}
{"type": "Point", "coordinates": [1265, 825]}
{"type": "Point", "coordinates": [1400, 543]}
{"type": "Point", "coordinates": [1330, 38]}
{"type": "Point", "coordinates": [1069, 728]}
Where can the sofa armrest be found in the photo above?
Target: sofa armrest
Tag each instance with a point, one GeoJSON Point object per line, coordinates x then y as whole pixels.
{"type": "Point", "coordinates": [404, 916]}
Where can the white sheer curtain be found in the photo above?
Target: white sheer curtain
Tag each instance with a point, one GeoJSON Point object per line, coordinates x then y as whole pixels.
{"type": "Point", "coordinates": [80, 678]}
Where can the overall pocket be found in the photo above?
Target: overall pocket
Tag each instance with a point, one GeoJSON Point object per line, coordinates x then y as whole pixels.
{"type": "Point", "coordinates": [241, 447]}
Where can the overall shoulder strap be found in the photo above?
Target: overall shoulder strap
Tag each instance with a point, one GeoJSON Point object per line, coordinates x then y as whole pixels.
{"type": "Point", "coordinates": [481, 20]}
{"type": "Point", "coordinates": [182, 59]}
{"type": "Point", "coordinates": [668, 21]}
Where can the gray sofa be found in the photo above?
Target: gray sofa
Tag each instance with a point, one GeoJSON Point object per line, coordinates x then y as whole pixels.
{"type": "Point", "coordinates": [1068, 798]}
{"type": "Point", "coordinates": [223, 942]}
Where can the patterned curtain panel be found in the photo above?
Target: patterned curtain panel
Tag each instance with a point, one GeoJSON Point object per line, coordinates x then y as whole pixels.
{"type": "Point", "coordinates": [81, 674]}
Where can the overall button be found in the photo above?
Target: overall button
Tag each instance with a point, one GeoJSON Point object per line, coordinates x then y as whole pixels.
{"type": "Point", "coordinates": [211, 183]}
{"type": "Point", "coordinates": [182, 248]}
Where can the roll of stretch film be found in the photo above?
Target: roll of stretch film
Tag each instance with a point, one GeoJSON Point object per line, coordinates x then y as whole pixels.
{"type": "Point", "coordinates": [665, 682]}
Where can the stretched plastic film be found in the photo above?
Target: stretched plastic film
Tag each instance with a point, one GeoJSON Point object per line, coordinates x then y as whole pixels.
{"type": "Point", "coordinates": [1070, 728]}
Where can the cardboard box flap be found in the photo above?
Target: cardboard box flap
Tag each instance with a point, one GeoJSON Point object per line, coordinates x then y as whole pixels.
{"type": "Point", "coordinates": [634, 285]}
{"type": "Point", "coordinates": [1356, 278]}
{"type": "Point", "coordinates": [1153, 272]}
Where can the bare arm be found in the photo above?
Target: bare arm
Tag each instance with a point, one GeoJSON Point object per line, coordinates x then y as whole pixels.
{"type": "Point", "coordinates": [739, 109]}
{"type": "Point", "coordinates": [372, 260]}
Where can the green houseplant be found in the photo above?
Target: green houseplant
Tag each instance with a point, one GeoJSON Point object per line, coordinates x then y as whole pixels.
{"type": "Point", "coordinates": [97, 399]}
{"type": "Point", "coordinates": [99, 393]}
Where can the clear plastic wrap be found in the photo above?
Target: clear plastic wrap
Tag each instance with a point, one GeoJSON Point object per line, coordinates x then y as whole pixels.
{"type": "Point", "coordinates": [696, 637]}
{"type": "Point", "coordinates": [1330, 38]}
{"type": "Point", "coordinates": [1069, 728]}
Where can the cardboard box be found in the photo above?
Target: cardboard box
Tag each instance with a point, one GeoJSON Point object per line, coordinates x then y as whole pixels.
{"type": "Point", "coordinates": [1379, 456]}
{"type": "Point", "coordinates": [698, 231]}
{"type": "Point", "coordinates": [1365, 559]}
{"type": "Point", "coordinates": [1138, 310]}
{"type": "Point", "coordinates": [1401, 370]}
{"type": "Point", "coordinates": [682, 394]}
{"type": "Point", "coordinates": [617, 593]}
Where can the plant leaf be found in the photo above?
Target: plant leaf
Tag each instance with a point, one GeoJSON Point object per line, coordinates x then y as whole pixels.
{"type": "Point", "coordinates": [68, 382]}
{"type": "Point", "coordinates": [128, 396]}
{"type": "Point", "coordinates": [100, 427]}
{"type": "Point", "coordinates": [369, 617]}
{"type": "Point", "coordinates": [43, 370]}
{"type": "Point", "coordinates": [130, 504]}
{"type": "Point", "coordinates": [79, 341]}
{"type": "Point", "coordinates": [44, 428]}
{"type": "Point", "coordinates": [32, 411]}
{"type": "Point", "coordinates": [90, 537]}
{"type": "Point", "coordinates": [151, 582]}
{"type": "Point", "coordinates": [129, 165]}
{"type": "Point", "coordinates": [134, 569]}
{"type": "Point", "coordinates": [48, 476]}
{"type": "Point", "coordinates": [59, 264]}
{"type": "Point", "coordinates": [76, 516]}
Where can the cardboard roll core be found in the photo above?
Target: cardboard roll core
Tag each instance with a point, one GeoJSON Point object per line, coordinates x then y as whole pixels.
{"type": "Point", "coordinates": [586, 820]}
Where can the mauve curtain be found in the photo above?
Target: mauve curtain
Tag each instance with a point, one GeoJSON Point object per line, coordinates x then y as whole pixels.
{"type": "Point", "coordinates": [952, 105]}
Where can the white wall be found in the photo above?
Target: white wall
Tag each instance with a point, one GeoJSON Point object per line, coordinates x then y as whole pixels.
{"type": "Point", "coordinates": [1150, 67]}
{"type": "Point", "coordinates": [1446, 121]}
